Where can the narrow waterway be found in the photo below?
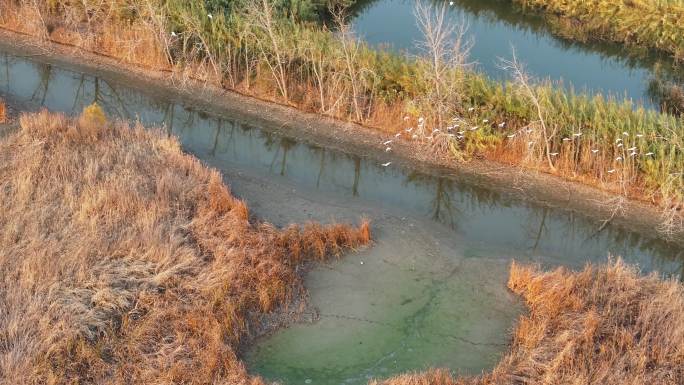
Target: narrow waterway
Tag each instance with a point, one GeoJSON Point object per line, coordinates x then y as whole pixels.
{"type": "Point", "coordinates": [430, 292]}
{"type": "Point", "coordinates": [495, 27]}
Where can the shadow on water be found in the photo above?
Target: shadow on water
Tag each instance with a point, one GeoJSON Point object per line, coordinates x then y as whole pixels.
{"type": "Point", "coordinates": [497, 25]}
{"type": "Point", "coordinates": [432, 289]}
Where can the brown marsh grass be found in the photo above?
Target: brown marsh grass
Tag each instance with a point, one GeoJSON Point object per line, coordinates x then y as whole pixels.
{"type": "Point", "coordinates": [125, 261]}
{"type": "Point", "coordinates": [3, 111]}
{"type": "Point", "coordinates": [603, 325]}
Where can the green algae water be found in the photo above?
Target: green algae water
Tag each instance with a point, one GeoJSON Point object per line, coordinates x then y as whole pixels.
{"type": "Point", "coordinates": [389, 315]}
{"type": "Point", "coordinates": [430, 292]}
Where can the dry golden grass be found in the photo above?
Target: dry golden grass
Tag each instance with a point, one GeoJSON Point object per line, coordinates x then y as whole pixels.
{"type": "Point", "coordinates": [3, 112]}
{"type": "Point", "coordinates": [603, 325]}
{"type": "Point", "coordinates": [125, 261]}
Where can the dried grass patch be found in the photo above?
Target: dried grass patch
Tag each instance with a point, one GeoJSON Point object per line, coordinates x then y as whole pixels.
{"type": "Point", "coordinates": [124, 260]}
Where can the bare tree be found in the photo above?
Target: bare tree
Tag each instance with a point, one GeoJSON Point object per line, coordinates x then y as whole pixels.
{"type": "Point", "coordinates": [446, 50]}
{"type": "Point", "coordinates": [262, 16]}
{"type": "Point", "coordinates": [671, 217]}
{"type": "Point", "coordinates": [522, 79]}
{"type": "Point", "coordinates": [350, 50]}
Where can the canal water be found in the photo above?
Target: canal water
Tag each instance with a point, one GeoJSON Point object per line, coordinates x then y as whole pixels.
{"type": "Point", "coordinates": [495, 27]}
{"type": "Point", "coordinates": [430, 292]}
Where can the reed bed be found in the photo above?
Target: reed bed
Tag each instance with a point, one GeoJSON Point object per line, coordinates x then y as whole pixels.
{"type": "Point", "coordinates": [125, 261]}
{"type": "Point", "coordinates": [650, 24]}
{"type": "Point", "coordinates": [435, 99]}
{"type": "Point", "coordinates": [602, 325]}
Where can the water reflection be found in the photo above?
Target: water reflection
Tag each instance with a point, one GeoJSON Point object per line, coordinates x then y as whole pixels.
{"type": "Point", "coordinates": [497, 25]}
{"type": "Point", "coordinates": [484, 218]}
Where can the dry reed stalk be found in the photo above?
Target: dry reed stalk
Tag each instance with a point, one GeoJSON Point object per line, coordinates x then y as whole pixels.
{"type": "Point", "coordinates": [3, 111]}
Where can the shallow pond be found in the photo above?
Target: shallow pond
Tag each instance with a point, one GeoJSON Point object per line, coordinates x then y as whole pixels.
{"type": "Point", "coordinates": [495, 27]}
{"type": "Point", "coordinates": [432, 289]}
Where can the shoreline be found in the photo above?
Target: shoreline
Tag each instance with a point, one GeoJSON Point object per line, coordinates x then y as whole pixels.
{"type": "Point", "coordinates": [568, 22]}
{"type": "Point", "coordinates": [526, 184]}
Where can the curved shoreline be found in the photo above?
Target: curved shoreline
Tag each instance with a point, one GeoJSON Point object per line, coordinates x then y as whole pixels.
{"type": "Point", "coordinates": [525, 184]}
{"type": "Point", "coordinates": [571, 23]}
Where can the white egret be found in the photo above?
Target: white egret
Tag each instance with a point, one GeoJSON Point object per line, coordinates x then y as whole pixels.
{"type": "Point", "coordinates": [386, 164]}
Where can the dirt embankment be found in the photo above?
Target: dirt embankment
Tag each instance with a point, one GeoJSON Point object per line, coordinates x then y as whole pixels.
{"type": "Point", "coordinates": [352, 138]}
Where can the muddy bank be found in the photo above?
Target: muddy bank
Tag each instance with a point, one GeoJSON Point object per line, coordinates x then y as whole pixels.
{"type": "Point", "coordinates": [351, 138]}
